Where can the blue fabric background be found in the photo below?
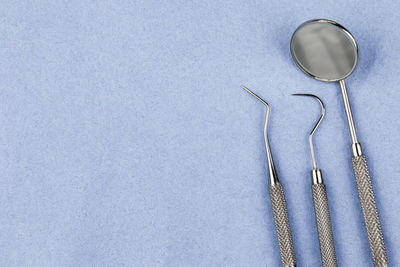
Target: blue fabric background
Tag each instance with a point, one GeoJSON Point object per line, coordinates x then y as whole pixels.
{"type": "Point", "coordinates": [126, 139]}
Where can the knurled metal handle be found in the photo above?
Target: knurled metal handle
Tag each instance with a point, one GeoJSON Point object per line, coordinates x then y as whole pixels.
{"type": "Point", "coordinates": [282, 226]}
{"type": "Point", "coordinates": [323, 218]}
{"type": "Point", "coordinates": [370, 212]}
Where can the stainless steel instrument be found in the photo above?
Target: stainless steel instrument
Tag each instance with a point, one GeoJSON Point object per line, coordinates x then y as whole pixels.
{"type": "Point", "coordinates": [278, 201]}
{"type": "Point", "coordinates": [326, 51]}
{"type": "Point", "coordinates": [322, 214]}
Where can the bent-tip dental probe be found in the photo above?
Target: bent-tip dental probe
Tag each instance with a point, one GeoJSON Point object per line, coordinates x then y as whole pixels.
{"type": "Point", "coordinates": [278, 201]}
{"type": "Point", "coordinates": [322, 215]}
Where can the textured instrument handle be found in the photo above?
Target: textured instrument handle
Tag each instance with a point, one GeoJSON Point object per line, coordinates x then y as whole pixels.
{"type": "Point", "coordinates": [323, 218]}
{"type": "Point", "coordinates": [370, 212]}
{"type": "Point", "coordinates": [282, 225]}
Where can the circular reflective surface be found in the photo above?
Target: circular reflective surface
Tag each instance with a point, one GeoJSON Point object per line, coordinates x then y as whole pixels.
{"type": "Point", "coordinates": [324, 50]}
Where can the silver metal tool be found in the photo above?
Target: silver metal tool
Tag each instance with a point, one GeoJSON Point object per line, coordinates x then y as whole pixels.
{"type": "Point", "coordinates": [322, 215]}
{"type": "Point", "coordinates": [326, 51]}
{"type": "Point", "coordinates": [278, 201]}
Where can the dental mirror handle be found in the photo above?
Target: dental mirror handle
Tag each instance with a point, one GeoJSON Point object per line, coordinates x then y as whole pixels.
{"type": "Point", "coordinates": [282, 226]}
{"type": "Point", "coordinates": [370, 212]}
{"type": "Point", "coordinates": [323, 218]}
{"type": "Point", "coordinates": [365, 191]}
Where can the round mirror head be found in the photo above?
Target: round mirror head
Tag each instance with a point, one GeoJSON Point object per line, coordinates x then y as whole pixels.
{"type": "Point", "coordinates": [324, 50]}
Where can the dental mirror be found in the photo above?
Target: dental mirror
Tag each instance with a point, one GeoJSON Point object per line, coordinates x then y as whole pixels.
{"type": "Point", "coordinates": [326, 51]}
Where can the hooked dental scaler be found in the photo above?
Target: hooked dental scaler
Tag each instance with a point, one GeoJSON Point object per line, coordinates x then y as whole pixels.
{"type": "Point", "coordinates": [320, 199]}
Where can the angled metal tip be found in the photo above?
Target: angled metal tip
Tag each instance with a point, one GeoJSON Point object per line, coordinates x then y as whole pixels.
{"type": "Point", "coordinates": [255, 95]}
{"type": "Point", "coordinates": [271, 165]}
{"type": "Point", "coordinates": [315, 126]}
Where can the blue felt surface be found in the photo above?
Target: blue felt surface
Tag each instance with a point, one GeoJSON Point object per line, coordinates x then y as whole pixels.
{"type": "Point", "coordinates": [125, 138]}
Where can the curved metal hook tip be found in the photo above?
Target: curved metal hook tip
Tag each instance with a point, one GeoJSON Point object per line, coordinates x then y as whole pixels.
{"type": "Point", "coordinates": [315, 126]}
